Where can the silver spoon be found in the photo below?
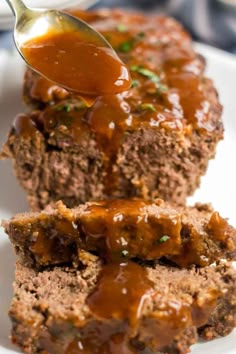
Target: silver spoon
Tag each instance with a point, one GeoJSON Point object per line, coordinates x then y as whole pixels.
{"type": "Point", "coordinates": [33, 23]}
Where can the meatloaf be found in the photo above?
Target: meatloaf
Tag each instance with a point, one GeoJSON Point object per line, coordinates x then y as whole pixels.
{"type": "Point", "coordinates": [98, 309]}
{"type": "Point", "coordinates": [127, 229]}
{"type": "Point", "coordinates": [154, 140]}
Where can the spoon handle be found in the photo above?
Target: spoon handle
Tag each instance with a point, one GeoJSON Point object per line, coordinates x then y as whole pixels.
{"type": "Point", "coordinates": [17, 6]}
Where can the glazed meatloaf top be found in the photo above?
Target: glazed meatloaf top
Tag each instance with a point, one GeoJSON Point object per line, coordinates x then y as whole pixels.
{"type": "Point", "coordinates": [147, 230]}
{"type": "Point", "coordinates": [168, 91]}
{"type": "Point", "coordinates": [156, 136]}
{"type": "Point", "coordinates": [120, 308]}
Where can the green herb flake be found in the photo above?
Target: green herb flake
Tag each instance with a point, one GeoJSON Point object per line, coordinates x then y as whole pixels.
{"type": "Point", "coordinates": [147, 107]}
{"type": "Point", "coordinates": [135, 83]}
{"type": "Point", "coordinates": [59, 108]}
{"type": "Point", "coordinates": [78, 335]}
{"type": "Point", "coordinates": [135, 68]}
{"type": "Point", "coordinates": [126, 47]}
{"type": "Point", "coordinates": [145, 72]}
{"type": "Point", "coordinates": [141, 35]}
{"type": "Point", "coordinates": [64, 107]}
{"type": "Point", "coordinates": [125, 253]}
{"type": "Point", "coordinates": [122, 28]}
{"type": "Point", "coordinates": [163, 239]}
{"type": "Point", "coordinates": [159, 89]}
{"type": "Point", "coordinates": [79, 107]}
{"type": "Point", "coordinates": [162, 88]}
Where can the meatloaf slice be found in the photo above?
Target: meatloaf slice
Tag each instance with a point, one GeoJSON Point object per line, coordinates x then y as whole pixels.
{"type": "Point", "coordinates": [147, 230]}
{"type": "Point", "coordinates": [154, 140]}
{"type": "Point", "coordinates": [68, 310]}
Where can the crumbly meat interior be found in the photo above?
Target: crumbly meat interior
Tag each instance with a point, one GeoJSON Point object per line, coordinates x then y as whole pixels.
{"type": "Point", "coordinates": [55, 301]}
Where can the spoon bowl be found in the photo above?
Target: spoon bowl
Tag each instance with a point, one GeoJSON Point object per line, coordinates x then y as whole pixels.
{"type": "Point", "coordinates": [92, 57]}
{"type": "Point", "coordinates": [38, 22]}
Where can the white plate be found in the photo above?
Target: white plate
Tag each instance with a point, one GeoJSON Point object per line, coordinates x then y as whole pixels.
{"type": "Point", "coordinates": [7, 19]}
{"type": "Point", "coordinates": [218, 186]}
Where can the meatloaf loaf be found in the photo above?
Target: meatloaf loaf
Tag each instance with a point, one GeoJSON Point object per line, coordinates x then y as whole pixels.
{"type": "Point", "coordinates": [154, 140]}
{"type": "Point", "coordinates": [95, 309]}
{"type": "Point", "coordinates": [125, 229]}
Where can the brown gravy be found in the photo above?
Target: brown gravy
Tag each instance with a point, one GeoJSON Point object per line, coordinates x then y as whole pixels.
{"type": "Point", "coordinates": [125, 229]}
{"type": "Point", "coordinates": [167, 89]}
{"type": "Point", "coordinates": [117, 300]}
{"type": "Point", "coordinates": [165, 94]}
{"type": "Point", "coordinates": [78, 62]}
{"type": "Point", "coordinates": [117, 296]}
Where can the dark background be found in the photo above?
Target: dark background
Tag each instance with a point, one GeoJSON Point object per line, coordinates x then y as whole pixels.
{"type": "Point", "coordinates": [210, 21]}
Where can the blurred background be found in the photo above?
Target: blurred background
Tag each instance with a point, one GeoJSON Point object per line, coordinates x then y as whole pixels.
{"type": "Point", "coordinates": [210, 21]}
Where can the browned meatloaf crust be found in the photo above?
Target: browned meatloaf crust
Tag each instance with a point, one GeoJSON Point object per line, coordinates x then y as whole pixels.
{"type": "Point", "coordinates": [51, 313]}
{"type": "Point", "coordinates": [154, 140]}
{"type": "Point", "coordinates": [123, 228]}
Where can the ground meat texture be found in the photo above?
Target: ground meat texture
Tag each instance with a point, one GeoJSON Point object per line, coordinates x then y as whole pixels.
{"type": "Point", "coordinates": [58, 302]}
{"type": "Point", "coordinates": [154, 140]}
{"type": "Point", "coordinates": [127, 229]}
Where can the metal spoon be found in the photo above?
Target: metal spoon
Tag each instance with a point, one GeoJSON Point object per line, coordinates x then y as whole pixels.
{"type": "Point", "coordinates": [33, 23]}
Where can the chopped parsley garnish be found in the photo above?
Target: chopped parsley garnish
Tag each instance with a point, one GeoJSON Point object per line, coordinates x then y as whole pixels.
{"type": "Point", "coordinates": [125, 253]}
{"type": "Point", "coordinates": [145, 72]}
{"type": "Point", "coordinates": [141, 35]}
{"type": "Point", "coordinates": [126, 47]}
{"type": "Point", "coordinates": [69, 107]}
{"type": "Point", "coordinates": [78, 335]}
{"type": "Point", "coordinates": [64, 107]}
{"type": "Point", "coordinates": [163, 239]}
{"type": "Point", "coordinates": [121, 28]}
{"type": "Point", "coordinates": [162, 88]}
{"type": "Point", "coordinates": [135, 83]}
{"type": "Point", "coordinates": [147, 107]}
{"type": "Point", "coordinates": [158, 89]}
